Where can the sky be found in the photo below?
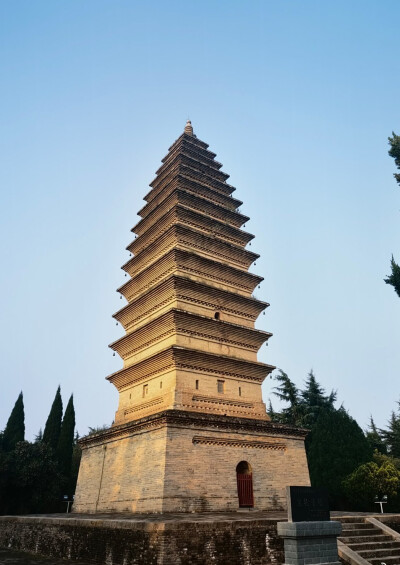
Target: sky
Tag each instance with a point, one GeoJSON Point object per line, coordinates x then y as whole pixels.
{"type": "Point", "coordinates": [296, 98]}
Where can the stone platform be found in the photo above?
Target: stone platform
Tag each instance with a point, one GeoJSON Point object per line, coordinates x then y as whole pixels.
{"type": "Point", "coordinates": [235, 538]}
{"type": "Point", "coordinates": [240, 538]}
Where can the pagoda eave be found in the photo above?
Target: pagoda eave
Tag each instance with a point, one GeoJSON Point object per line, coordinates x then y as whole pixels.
{"type": "Point", "coordinates": [176, 357]}
{"type": "Point", "coordinates": [195, 420]}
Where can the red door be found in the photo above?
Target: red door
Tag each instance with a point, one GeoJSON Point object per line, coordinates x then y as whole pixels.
{"type": "Point", "coordinates": [245, 489]}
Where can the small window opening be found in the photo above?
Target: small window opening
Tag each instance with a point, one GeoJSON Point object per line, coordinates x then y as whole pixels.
{"type": "Point", "coordinates": [217, 315]}
{"type": "Point", "coordinates": [160, 384]}
{"type": "Point", "coordinates": [220, 386]}
{"type": "Point", "coordinates": [197, 385]}
{"type": "Point", "coordinates": [145, 390]}
{"type": "Point", "coordinates": [240, 391]}
{"type": "Point", "coordinates": [130, 396]}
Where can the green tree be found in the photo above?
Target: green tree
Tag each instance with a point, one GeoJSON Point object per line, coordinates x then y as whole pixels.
{"type": "Point", "coordinates": [374, 437]}
{"type": "Point", "coordinates": [52, 429]}
{"type": "Point", "coordinates": [394, 151]}
{"type": "Point", "coordinates": [76, 460]}
{"type": "Point", "coordinates": [394, 277]}
{"type": "Point", "coordinates": [337, 447]}
{"type": "Point", "coordinates": [289, 393]}
{"type": "Point", "coordinates": [15, 427]}
{"type": "Point", "coordinates": [315, 401]}
{"type": "Point", "coordinates": [369, 480]}
{"type": "Point", "coordinates": [33, 483]}
{"type": "Point", "coordinates": [66, 439]}
{"type": "Point", "coordinates": [391, 435]}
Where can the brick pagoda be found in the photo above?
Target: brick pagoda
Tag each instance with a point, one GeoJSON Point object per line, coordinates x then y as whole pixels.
{"type": "Point", "coordinates": [191, 431]}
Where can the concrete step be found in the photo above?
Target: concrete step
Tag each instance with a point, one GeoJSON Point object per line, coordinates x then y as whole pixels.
{"type": "Point", "coordinates": [378, 552]}
{"type": "Point", "coordinates": [393, 560]}
{"type": "Point", "coordinates": [357, 526]}
{"type": "Point", "coordinates": [370, 545]}
{"type": "Point", "coordinates": [373, 536]}
{"type": "Point", "coordinates": [348, 519]}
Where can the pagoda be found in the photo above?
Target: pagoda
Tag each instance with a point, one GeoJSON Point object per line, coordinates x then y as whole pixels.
{"type": "Point", "coordinates": [191, 432]}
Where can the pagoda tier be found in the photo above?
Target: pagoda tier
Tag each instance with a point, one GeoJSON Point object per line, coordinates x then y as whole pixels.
{"type": "Point", "coordinates": [179, 236]}
{"type": "Point", "coordinates": [191, 188]}
{"type": "Point", "coordinates": [198, 204]}
{"type": "Point", "coordinates": [191, 266]}
{"type": "Point", "coordinates": [183, 293]}
{"type": "Point", "coordinates": [190, 340]}
{"type": "Point", "coordinates": [181, 379]}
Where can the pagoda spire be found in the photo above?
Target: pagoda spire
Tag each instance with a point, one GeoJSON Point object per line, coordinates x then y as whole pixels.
{"type": "Point", "coordinates": [188, 128]}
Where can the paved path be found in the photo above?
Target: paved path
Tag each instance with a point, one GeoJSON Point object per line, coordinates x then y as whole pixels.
{"type": "Point", "coordinates": [184, 516]}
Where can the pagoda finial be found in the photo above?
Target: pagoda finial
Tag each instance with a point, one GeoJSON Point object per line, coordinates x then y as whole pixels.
{"type": "Point", "coordinates": [188, 128]}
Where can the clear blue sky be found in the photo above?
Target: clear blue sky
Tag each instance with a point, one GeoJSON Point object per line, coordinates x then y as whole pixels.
{"type": "Point", "coordinates": [296, 98]}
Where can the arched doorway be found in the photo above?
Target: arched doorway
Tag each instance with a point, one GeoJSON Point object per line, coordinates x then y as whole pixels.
{"type": "Point", "coordinates": [244, 477]}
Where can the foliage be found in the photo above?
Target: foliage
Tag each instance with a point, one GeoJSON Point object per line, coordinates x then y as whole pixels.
{"type": "Point", "coordinates": [34, 476]}
{"type": "Point", "coordinates": [338, 446]}
{"type": "Point", "coordinates": [52, 428]}
{"type": "Point", "coordinates": [75, 462]}
{"type": "Point", "coordinates": [391, 436]}
{"type": "Point", "coordinates": [374, 438]}
{"type": "Point", "coordinates": [66, 439]}
{"type": "Point", "coordinates": [372, 479]}
{"type": "Point", "coordinates": [394, 277]}
{"type": "Point", "coordinates": [288, 392]}
{"type": "Point", "coordinates": [394, 152]}
{"type": "Point", "coordinates": [97, 429]}
{"type": "Point", "coordinates": [30, 479]}
{"type": "Point", "coordinates": [315, 401]}
{"type": "Point", "coordinates": [335, 444]}
{"type": "Point", "coordinates": [15, 427]}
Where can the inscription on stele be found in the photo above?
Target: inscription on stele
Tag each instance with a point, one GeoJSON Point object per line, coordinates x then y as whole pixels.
{"type": "Point", "coordinates": [307, 504]}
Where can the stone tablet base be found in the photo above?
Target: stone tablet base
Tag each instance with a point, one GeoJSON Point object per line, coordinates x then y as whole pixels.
{"type": "Point", "coordinates": [310, 543]}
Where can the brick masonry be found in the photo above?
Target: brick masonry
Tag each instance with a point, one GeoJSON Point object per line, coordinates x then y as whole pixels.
{"type": "Point", "coordinates": [124, 542]}
{"type": "Point", "coordinates": [188, 464]}
{"type": "Point", "coordinates": [308, 543]}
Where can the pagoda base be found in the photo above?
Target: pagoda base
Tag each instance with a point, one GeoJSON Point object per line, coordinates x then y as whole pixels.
{"type": "Point", "coordinates": [178, 461]}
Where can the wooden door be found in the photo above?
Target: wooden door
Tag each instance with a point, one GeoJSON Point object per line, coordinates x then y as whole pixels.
{"type": "Point", "coordinates": [245, 489]}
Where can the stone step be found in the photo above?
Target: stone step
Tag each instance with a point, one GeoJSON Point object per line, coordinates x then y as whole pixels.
{"type": "Point", "coordinates": [358, 526]}
{"type": "Point", "coordinates": [393, 560]}
{"type": "Point", "coordinates": [349, 519]}
{"type": "Point", "coordinates": [370, 545]}
{"type": "Point", "coordinates": [362, 539]}
{"type": "Point", "coordinates": [377, 552]}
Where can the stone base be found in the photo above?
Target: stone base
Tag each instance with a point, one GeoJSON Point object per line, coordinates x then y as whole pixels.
{"type": "Point", "coordinates": [186, 462]}
{"type": "Point", "coordinates": [310, 543]}
{"type": "Point", "coordinates": [187, 540]}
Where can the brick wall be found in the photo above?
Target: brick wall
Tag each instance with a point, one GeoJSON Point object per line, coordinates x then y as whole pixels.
{"type": "Point", "coordinates": [112, 542]}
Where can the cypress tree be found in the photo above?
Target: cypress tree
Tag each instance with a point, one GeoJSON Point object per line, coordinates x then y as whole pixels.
{"type": "Point", "coordinates": [315, 401]}
{"type": "Point", "coordinates": [338, 446]}
{"type": "Point", "coordinates": [66, 440]}
{"type": "Point", "coordinates": [52, 428]}
{"type": "Point", "coordinates": [391, 436]}
{"type": "Point", "coordinates": [374, 438]}
{"type": "Point", "coordinates": [288, 392]}
{"type": "Point", "coordinates": [394, 151]}
{"type": "Point", "coordinates": [394, 277]}
{"type": "Point", "coordinates": [15, 428]}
